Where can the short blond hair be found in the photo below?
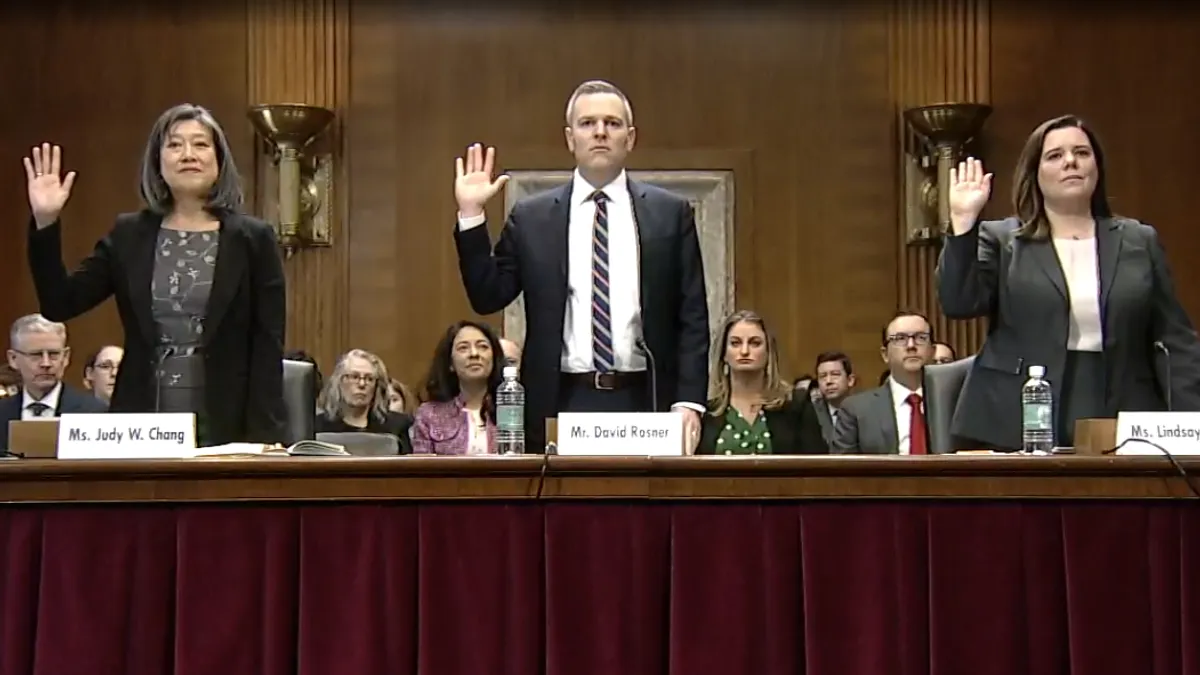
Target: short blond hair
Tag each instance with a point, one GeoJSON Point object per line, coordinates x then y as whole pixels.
{"type": "Point", "coordinates": [598, 87]}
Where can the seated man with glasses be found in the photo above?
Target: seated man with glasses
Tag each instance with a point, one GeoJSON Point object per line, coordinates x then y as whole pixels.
{"type": "Point", "coordinates": [891, 419]}
{"type": "Point", "coordinates": [355, 398]}
{"type": "Point", "coordinates": [37, 349]}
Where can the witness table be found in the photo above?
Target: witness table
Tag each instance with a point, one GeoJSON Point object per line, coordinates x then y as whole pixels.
{"type": "Point", "coordinates": [970, 565]}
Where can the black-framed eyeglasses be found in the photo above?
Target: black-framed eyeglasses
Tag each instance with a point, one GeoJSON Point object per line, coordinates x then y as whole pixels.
{"type": "Point", "coordinates": [901, 339]}
{"type": "Point", "coordinates": [359, 378]}
{"type": "Point", "coordinates": [105, 366]}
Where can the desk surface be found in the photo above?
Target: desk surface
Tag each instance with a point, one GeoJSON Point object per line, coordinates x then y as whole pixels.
{"type": "Point", "coordinates": [525, 477]}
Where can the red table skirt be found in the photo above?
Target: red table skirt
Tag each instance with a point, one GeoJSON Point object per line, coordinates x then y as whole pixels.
{"type": "Point", "coordinates": [602, 589]}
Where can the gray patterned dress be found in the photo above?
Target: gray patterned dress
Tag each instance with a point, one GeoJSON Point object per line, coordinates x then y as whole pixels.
{"type": "Point", "coordinates": [183, 276]}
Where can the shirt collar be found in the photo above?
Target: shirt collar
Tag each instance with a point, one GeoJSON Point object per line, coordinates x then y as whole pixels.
{"type": "Point", "coordinates": [900, 392]}
{"type": "Point", "coordinates": [50, 399]}
{"type": "Point", "coordinates": [581, 190]}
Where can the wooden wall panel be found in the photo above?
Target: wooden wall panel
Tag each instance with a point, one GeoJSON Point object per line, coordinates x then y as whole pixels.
{"type": "Point", "coordinates": [94, 81]}
{"type": "Point", "coordinates": [941, 54]}
{"type": "Point", "coordinates": [298, 52]}
{"type": "Point", "coordinates": [802, 92]}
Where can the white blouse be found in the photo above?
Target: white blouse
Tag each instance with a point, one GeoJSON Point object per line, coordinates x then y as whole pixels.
{"type": "Point", "coordinates": [478, 443]}
{"type": "Point", "coordinates": [1082, 272]}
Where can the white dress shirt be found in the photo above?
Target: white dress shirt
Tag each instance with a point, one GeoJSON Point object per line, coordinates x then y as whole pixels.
{"type": "Point", "coordinates": [624, 265]}
{"type": "Point", "coordinates": [50, 400]}
{"type": "Point", "coordinates": [903, 412]}
{"type": "Point", "coordinates": [1081, 270]}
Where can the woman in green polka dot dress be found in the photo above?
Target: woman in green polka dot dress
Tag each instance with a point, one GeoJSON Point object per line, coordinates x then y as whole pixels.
{"type": "Point", "coordinates": [751, 410]}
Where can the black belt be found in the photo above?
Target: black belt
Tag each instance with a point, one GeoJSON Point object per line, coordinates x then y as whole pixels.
{"type": "Point", "coordinates": [606, 381]}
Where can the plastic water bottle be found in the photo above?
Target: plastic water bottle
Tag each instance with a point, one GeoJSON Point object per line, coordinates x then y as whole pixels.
{"type": "Point", "coordinates": [1037, 412]}
{"type": "Point", "coordinates": [510, 414]}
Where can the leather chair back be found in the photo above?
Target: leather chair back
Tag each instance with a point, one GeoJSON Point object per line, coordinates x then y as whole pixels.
{"type": "Point", "coordinates": [299, 400]}
{"type": "Point", "coordinates": [942, 384]}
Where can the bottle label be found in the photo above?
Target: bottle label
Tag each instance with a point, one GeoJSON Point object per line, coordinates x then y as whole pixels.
{"type": "Point", "coordinates": [510, 418]}
{"type": "Point", "coordinates": [1038, 417]}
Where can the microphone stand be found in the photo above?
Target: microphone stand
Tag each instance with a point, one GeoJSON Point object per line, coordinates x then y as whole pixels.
{"type": "Point", "coordinates": [650, 360]}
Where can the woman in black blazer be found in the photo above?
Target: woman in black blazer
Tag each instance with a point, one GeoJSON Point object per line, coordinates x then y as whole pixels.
{"type": "Point", "coordinates": [199, 285]}
{"type": "Point", "coordinates": [751, 409]}
{"type": "Point", "coordinates": [1065, 285]}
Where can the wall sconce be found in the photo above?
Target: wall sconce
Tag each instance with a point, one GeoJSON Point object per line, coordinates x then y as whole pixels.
{"type": "Point", "coordinates": [941, 137]}
{"type": "Point", "coordinates": [303, 179]}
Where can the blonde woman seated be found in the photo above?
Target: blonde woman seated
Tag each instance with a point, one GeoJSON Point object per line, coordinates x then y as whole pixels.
{"type": "Point", "coordinates": [355, 399]}
{"type": "Point", "coordinates": [751, 409]}
{"type": "Point", "coordinates": [458, 415]}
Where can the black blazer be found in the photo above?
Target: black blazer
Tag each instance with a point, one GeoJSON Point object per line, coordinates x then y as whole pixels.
{"type": "Point", "coordinates": [531, 257]}
{"type": "Point", "coordinates": [794, 427]}
{"type": "Point", "coordinates": [244, 323]}
{"type": "Point", "coordinates": [394, 423]}
{"type": "Point", "coordinates": [1019, 285]}
{"type": "Point", "coordinates": [71, 400]}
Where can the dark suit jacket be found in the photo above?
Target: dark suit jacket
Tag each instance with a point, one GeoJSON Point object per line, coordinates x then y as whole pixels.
{"type": "Point", "coordinates": [531, 257]}
{"type": "Point", "coordinates": [827, 428]}
{"type": "Point", "coordinates": [394, 423]}
{"type": "Point", "coordinates": [243, 326]}
{"type": "Point", "coordinates": [1019, 285]}
{"type": "Point", "coordinates": [794, 430]}
{"type": "Point", "coordinates": [71, 400]}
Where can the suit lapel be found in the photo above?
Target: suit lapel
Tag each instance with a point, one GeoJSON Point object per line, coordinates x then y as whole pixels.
{"type": "Point", "coordinates": [887, 414]}
{"type": "Point", "coordinates": [141, 274]}
{"type": "Point", "coordinates": [643, 220]}
{"type": "Point", "coordinates": [1047, 259]}
{"type": "Point", "coordinates": [557, 232]}
{"type": "Point", "coordinates": [1108, 251]}
{"type": "Point", "coordinates": [231, 264]}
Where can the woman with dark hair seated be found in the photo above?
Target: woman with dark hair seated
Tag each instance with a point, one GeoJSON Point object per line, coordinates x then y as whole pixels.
{"type": "Point", "coordinates": [751, 409]}
{"type": "Point", "coordinates": [355, 399]}
{"type": "Point", "coordinates": [459, 411]}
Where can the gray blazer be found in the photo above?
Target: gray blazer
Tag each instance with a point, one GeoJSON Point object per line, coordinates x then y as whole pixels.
{"type": "Point", "coordinates": [825, 420]}
{"type": "Point", "coordinates": [866, 425]}
{"type": "Point", "coordinates": [1019, 286]}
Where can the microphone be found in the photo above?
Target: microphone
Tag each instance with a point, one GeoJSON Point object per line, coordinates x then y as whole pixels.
{"type": "Point", "coordinates": [641, 344]}
{"type": "Point", "coordinates": [160, 355]}
{"type": "Point", "coordinates": [1160, 347]}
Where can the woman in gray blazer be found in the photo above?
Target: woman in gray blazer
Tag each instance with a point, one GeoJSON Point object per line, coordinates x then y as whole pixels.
{"type": "Point", "coordinates": [1067, 285]}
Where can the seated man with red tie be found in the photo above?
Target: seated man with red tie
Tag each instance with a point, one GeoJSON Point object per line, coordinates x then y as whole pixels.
{"type": "Point", "coordinates": [891, 419]}
{"type": "Point", "coordinates": [37, 349]}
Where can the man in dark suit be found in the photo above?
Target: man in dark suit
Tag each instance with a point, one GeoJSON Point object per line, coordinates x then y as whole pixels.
{"type": "Point", "coordinates": [610, 270]}
{"type": "Point", "coordinates": [38, 351]}
{"type": "Point", "coordinates": [891, 419]}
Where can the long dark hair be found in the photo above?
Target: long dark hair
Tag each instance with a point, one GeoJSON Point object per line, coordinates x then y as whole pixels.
{"type": "Point", "coordinates": [1028, 202]}
{"type": "Point", "coordinates": [442, 383]}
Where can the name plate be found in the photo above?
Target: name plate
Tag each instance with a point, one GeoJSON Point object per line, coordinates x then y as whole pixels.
{"type": "Point", "coordinates": [126, 436]}
{"type": "Point", "coordinates": [1176, 432]}
{"type": "Point", "coordinates": [640, 434]}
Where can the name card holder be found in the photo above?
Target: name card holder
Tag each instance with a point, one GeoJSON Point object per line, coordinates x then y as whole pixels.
{"type": "Point", "coordinates": [617, 434]}
{"type": "Point", "coordinates": [1176, 432]}
{"type": "Point", "coordinates": [127, 436]}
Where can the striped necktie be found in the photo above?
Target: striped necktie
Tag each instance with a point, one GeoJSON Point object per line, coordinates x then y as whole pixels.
{"type": "Point", "coordinates": [602, 342]}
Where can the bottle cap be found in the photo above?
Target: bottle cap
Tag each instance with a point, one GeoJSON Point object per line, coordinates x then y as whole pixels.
{"type": "Point", "coordinates": [1037, 371]}
{"type": "Point", "coordinates": [510, 371]}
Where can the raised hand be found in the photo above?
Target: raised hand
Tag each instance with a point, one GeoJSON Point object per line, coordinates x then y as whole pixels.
{"type": "Point", "coordinates": [970, 188]}
{"type": "Point", "coordinates": [473, 182]}
{"type": "Point", "coordinates": [48, 192]}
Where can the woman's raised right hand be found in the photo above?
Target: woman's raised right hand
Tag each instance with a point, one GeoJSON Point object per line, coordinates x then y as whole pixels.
{"type": "Point", "coordinates": [48, 191]}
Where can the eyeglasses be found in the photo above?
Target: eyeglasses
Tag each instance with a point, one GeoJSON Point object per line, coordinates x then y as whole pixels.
{"type": "Point", "coordinates": [54, 355]}
{"type": "Point", "coordinates": [105, 366]}
{"type": "Point", "coordinates": [359, 378]}
{"type": "Point", "coordinates": [901, 339]}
